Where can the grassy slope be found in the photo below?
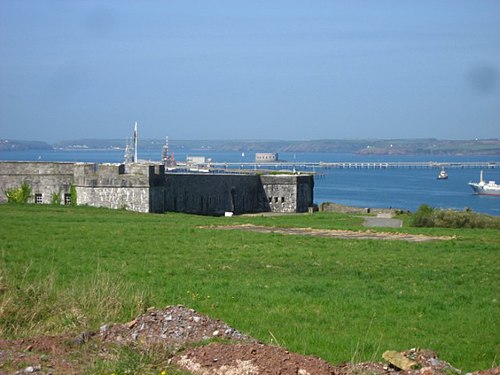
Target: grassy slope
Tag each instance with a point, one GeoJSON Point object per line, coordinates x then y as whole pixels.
{"type": "Point", "coordinates": [65, 268]}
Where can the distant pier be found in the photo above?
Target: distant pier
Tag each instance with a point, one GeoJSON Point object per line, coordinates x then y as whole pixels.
{"type": "Point", "coordinates": [318, 166]}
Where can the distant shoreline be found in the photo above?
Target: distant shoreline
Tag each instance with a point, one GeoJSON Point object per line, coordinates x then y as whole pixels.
{"type": "Point", "coordinates": [485, 147]}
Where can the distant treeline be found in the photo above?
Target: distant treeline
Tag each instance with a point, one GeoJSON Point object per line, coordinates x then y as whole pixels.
{"type": "Point", "coordinates": [428, 146]}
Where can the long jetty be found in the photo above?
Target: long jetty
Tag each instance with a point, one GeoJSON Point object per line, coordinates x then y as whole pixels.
{"type": "Point", "coordinates": [348, 165]}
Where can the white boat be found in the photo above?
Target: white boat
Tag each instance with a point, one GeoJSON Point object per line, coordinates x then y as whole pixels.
{"type": "Point", "coordinates": [442, 175]}
{"type": "Point", "coordinates": [485, 188]}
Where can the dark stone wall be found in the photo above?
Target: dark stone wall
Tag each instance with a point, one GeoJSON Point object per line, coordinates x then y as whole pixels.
{"type": "Point", "coordinates": [215, 194]}
{"type": "Point", "coordinates": [305, 192]}
{"type": "Point", "coordinates": [157, 199]}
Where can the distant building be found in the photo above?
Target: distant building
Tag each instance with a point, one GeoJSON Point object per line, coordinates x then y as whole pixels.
{"type": "Point", "coordinates": [266, 157]}
{"type": "Point", "coordinates": [197, 160]}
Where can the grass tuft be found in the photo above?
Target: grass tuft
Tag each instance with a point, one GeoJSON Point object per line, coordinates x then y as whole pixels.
{"type": "Point", "coordinates": [41, 306]}
{"type": "Point", "coordinates": [123, 360]}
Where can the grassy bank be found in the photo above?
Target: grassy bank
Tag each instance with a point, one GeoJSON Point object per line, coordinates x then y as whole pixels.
{"type": "Point", "coordinates": [74, 268]}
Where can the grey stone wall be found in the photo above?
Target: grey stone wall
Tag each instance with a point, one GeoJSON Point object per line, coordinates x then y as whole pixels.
{"type": "Point", "coordinates": [45, 179]}
{"type": "Point", "coordinates": [136, 187]}
{"type": "Point", "coordinates": [134, 199]}
{"type": "Point", "coordinates": [288, 193]}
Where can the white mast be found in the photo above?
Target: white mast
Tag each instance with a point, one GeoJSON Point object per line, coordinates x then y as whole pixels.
{"type": "Point", "coordinates": [135, 143]}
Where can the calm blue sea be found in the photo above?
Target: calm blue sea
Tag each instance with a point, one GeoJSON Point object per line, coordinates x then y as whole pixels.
{"type": "Point", "coordinates": [398, 188]}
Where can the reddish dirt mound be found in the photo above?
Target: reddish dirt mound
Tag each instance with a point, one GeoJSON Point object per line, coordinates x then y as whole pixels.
{"type": "Point", "coordinates": [243, 359]}
{"type": "Point", "coordinates": [177, 326]}
{"type": "Point", "coordinates": [259, 359]}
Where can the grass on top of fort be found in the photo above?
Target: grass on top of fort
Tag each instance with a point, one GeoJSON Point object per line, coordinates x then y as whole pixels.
{"type": "Point", "coordinates": [72, 269]}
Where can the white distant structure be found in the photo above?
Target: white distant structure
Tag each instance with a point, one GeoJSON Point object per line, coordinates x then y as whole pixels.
{"type": "Point", "coordinates": [266, 157]}
{"type": "Point", "coordinates": [135, 143]}
{"type": "Point", "coordinates": [196, 160]}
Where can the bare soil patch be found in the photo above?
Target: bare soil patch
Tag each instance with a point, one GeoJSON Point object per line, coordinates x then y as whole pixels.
{"type": "Point", "coordinates": [334, 233]}
{"type": "Point", "coordinates": [178, 331]}
{"type": "Point", "coordinates": [241, 359]}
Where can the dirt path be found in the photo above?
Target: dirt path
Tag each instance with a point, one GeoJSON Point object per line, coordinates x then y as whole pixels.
{"type": "Point", "coordinates": [334, 233]}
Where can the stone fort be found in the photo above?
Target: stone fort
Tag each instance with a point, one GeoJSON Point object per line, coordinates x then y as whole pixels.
{"type": "Point", "coordinates": [145, 187]}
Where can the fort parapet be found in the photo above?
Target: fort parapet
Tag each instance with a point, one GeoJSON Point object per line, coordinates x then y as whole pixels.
{"type": "Point", "coordinates": [144, 187]}
{"type": "Point", "coordinates": [136, 187]}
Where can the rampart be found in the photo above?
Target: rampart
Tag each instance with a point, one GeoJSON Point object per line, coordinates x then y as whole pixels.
{"type": "Point", "coordinates": [144, 187]}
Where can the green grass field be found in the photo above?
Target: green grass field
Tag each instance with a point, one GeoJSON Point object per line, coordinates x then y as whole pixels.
{"type": "Point", "coordinates": [71, 269]}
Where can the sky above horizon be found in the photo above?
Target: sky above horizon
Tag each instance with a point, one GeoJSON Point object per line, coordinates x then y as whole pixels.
{"type": "Point", "coordinates": [231, 69]}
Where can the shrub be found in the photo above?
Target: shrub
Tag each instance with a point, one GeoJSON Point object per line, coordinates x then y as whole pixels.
{"type": "Point", "coordinates": [423, 217]}
{"type": "Point", "coordinates": [56, 198]}
{"type": "Point", "coordinates": [427, 216]}
{"type": "Point", "coordinates": [20, 194]}
{"type": "Point", "coordinates": [73, 195]}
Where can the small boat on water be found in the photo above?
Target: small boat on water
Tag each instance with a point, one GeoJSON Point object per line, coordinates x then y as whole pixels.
{"type": "Point", "coordinates": [485, 188]}
{"type": "Point", "coordinates": [442, 175]}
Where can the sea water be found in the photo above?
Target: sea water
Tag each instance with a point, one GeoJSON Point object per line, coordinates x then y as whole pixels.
{"type": "Point", "coordinates": [400, 188]}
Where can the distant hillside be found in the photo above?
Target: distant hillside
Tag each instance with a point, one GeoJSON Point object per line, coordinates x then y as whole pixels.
{"type": "Point", "coordinates": [432, 147]}
{"type": "Point", "coordinates": [428, 146]}
{"type": "Point", "coordinates": [13, 145]}
{"type": "Point", "coordinates": [90, 143]}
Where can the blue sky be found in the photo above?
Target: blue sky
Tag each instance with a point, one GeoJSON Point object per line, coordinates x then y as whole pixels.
{"type": "Point", "coordinates": [230, 69]}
